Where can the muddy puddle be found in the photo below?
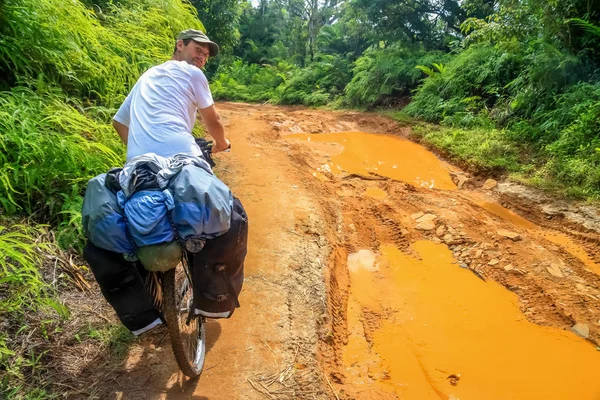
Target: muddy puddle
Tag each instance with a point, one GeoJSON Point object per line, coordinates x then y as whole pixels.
{"type": "Point", "coordinates": [385, 155]}
{"type": "Point", "coordinates": [557, 238]}
{"type": "Point", "coordinates": [421, 327]}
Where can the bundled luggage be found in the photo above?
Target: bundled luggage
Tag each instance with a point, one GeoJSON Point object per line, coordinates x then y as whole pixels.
{"type": "Point", "coordinates": [150, 211]}
{"type": "Point", "coordinates": [138, 205]}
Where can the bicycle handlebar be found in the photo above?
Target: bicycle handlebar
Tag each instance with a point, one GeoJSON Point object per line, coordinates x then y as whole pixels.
{"type": "Point", "coordinates": [206, 148]}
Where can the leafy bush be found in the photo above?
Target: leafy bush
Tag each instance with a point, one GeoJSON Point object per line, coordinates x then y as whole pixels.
{"type": "Point", "coordinates": [471, 82]}
{"type": "Point", "coordinates": [535, 91]}
{"type": "Point", "coordinates": [248, 82]}
{"type": "Point", "coordinates": [96, 56]}
{"type": "Point", "coordinates": [571, 140]}
{"type": "Point", "coordinates": [317, 84]}
{"type": "Point", "coordinates": [390, 72]}
{"type": "Point", "coordinates": [51, 146]}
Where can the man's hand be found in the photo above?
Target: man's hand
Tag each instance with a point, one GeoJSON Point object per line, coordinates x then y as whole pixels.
{"type": "Point", "coordinates": [221, 146]}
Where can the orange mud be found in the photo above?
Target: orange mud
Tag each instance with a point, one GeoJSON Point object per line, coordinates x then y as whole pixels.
{"type": "Point", "coordinates": [376, 193]}
{"type": "Point", "coordinates": [555, 237]}
{"type": "Point", "coordinates": [441, 321]}
{"type": "Point", "coordinates": [507, 215]}
{"type": "Point", "coordinates": [387, 156]}
{"type": "Point", "coordinates": [572, 248]}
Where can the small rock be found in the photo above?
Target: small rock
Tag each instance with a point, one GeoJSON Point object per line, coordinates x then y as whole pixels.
{"type": "Point", "coordinates": [508, 267]}
{"type": "Point", "coordinates": [555, 270]}
{"type": "Point", "coordinates": [417, 215]}
{"type": "Point", "coordinates": [492, 254]}
{"type": "Point", "coordinates": [489, 184]}
{"type": "Point", "coordinates": [478, 253]}
{"type": "Point", "coordinates": [451, 230]}
{"type": "Point", "coordinates": [508, 234]}
{"type": "Point", "coordinates": [426, 217]}
{"type": "Point", "coordinates": [461, 181]}
{"type": "Point", "coordinates": [582, 330]}
{"type": "Point", "coordinates": [580, 287]}
{"type": "Point", "coordinates": [425, 226]}
{"type": "Point", "coordinates": [440, 231]}
{"type": "Point", "coordinates": [493, 261]}
{"type": "Point", "coordinates": [448, 238]}
{"type": "Point", "coordinates": [463, 265]}
{"type": "Point", "coordinates": [453, 379]}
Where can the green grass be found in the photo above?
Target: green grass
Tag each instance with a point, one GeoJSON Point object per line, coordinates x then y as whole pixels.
{"type": "Point", "coordinates": [495, 151]}
{"type": "Point", "coordinates": [28, 304]}
{"type": "Point", "coordinates": [115, 337]}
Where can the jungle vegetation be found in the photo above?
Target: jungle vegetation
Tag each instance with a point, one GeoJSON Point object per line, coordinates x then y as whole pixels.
{"type": "Point", "coordinates": [511, 86]}
{"type": "Point", "coordinates": [508, 86]}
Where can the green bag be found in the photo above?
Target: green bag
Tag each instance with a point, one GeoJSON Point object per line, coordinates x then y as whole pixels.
{"type": "Point", "coordinates": [160, 257]}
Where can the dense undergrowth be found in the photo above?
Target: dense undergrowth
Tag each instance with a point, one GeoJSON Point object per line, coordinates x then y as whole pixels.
{"type": "Point", "coordinates": [517, 90]}
{"type": "Point", "coordinates": [64, 68]}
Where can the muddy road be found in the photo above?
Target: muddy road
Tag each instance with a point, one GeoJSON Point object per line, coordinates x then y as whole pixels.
{"type": "Point", "coordinates": [377, 271]}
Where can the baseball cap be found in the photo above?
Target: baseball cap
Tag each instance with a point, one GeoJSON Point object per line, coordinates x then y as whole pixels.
{"type": "Point", "coordinates": [200, 37]}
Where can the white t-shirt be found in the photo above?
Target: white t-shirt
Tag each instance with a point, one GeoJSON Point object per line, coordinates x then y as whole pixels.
{"type": "Point", "coordinates": [160, 110]}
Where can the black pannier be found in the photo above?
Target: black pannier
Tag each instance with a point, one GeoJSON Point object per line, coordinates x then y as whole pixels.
{"type": "Point", "coordinates": [218, 269]}
{"type": "Point", "coordinates": [123, 285]}
{"type": "Point", "coordinates": [217, 272]}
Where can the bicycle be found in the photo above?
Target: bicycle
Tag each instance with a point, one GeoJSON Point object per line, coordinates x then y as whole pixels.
{"type": "Point", "coordinates": [175, 299]}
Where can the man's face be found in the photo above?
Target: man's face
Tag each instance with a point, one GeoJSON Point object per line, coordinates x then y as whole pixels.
{"type": "Point", "coordinates": [194, 53]}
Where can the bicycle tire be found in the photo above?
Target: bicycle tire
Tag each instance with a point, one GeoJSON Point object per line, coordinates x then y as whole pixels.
{"type": "Point", "coordinates": [190, 362]}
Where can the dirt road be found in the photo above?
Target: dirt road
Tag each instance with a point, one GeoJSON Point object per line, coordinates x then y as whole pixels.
{"type": "Point", "coordinates": [377, 271]}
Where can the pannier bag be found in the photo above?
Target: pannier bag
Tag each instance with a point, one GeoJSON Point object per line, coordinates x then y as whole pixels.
{"type": "Point", "coordinates": [132, 209]}
{"type": "Point", "coordinates": [103, 220]}
{"type": "Point", "coordinates": [122, 285]}
{"type": "Point", "coordinates": [218, 269]}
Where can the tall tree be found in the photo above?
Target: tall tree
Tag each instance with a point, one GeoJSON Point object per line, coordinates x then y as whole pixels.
{"type": "Point", "coordinates": [221, 18]}
{"type": "Point", "coordinates": [428, 22]}
{"type": "Point", "coordinates": [314, 14]}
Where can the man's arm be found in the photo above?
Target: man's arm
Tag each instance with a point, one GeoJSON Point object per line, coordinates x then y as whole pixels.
{"type": "Point", "coordinates": [213, 123]}
{"type": "Point", "coordinates": [122, 130]}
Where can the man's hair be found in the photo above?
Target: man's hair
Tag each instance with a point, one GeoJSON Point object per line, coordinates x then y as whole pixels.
{"type": "Point", "coordinates": [185, 43]}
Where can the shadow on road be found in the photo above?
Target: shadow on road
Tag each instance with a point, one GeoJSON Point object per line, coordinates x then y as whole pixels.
{"type": "Point", "coordinates": [146, 370]}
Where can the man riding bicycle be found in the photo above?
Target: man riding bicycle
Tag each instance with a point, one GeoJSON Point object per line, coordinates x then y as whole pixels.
{"type": "Point", "coordinates": [155, 122]}
{"type": "Point", "coordinates": [159, 113]}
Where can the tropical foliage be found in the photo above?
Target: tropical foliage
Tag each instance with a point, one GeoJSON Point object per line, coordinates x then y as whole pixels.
{"type": "Point", "coordinates": [526, 71]}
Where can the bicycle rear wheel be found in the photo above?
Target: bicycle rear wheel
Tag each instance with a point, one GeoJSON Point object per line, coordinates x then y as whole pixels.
{"type": "Point", "coordinates": [188, 340]}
